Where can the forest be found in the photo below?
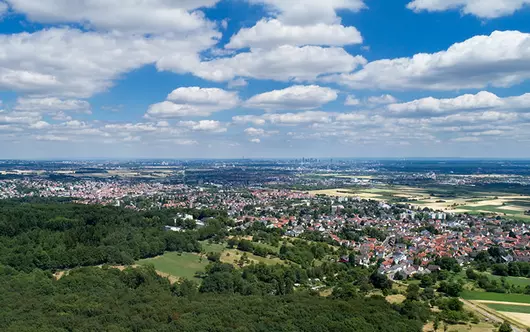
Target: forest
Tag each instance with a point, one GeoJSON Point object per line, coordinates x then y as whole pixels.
{"type": "Point", "coordinates": [59, 235]}
{"type": "Point", "coordinates": [107, 299]}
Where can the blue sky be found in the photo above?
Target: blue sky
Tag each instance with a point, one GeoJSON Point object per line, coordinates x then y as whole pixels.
{"type": "Point", "coordinates": [264, 78]}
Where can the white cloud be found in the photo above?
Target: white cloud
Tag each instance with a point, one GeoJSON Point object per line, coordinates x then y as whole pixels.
{"type": "Point", "coordinates": [40, 125]}
{"type": "Point", "coordinates": [255, 131]}
{"type": "Point", "coordinates": [273, 33]}
{"type": "Point", "coordinates": [52, 138]}
{"type": "Point", "coordinates": [479, 8]}
{"type": "Point", "coordinates": [307, 117]}
{"type": "Point", "coordinates": [255, 140]}
{"type": "Point", "coordinates": [465, 139]}
{"type": "Point", "coordinates": [259, 132]}
{"type": "Point", "coordinates": [352, 101]}
{"type": "Point", "coordinates": [284, 63]}
{"type": "Point", "coordinates": [69, 62]}
{"type": "Point", "coordinates": [351, 117]}
{"type": "Point", "coordinates": [244, 119]}
{"type": "Point", "coordinates": [46, 105]}
{"type": "Point", "coordinates": [3, 8]}
{"type": "Point", "coordinates": [237, 83]}
{"type": "Point", "coordinates": [132, 127]}
{"type": "Point", "coordinates": [501, 59]}
{"type": "Point", "coordinates": [305, 12]}
{"type": "Point", "coordinates": [204, 126]}
{"type": "Point", "coordinates": [468, 102]}
{"type": "Point", "coordinates": [19, 117]}
{"type": "Point", "coordinates": [296, 97]}
{"type": "Point", "coordinates": [146, 16]}
{"type": "Point", "coordinates": [193, 101]}
{"type": "Point", "coordinates": [494, 132]}
{"type": "Point", "coordinates": [381, 100]}
{"type": "Point", "coordinates": [185, 142]}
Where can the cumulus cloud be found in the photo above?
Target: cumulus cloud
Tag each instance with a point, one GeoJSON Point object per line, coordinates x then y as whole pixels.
{"type": "Point", "coordinates": [381, 100]}
{"type": "Point", "coordinates": [307, 117]}
{"type": "Point", "coordinates": [52, 138]}
{"type": "Point", "coordinates": [306, 12]}
{"type": "Point", "coordinates": [237, 83]}
{"type": "Point", "coordinates": [272, 33]}
{"type": "Point", "coordinates": [193, 101]}
{"type": "Point", "coordinates": [70, 62]}
{"type": "Point", "coordinates": [465, 139]}
{"type": "Point", "coordinates": [284, 63]}
{"type": "Point", "coordinates": [501, 59]}
{"type": "Point", "coordinates": [255, 131]}
{"type": "Point", "coordinates": [40, 125]}
{"type": "Point", "coordinates": [204, 126]}
{"type": "Point", "coordinates": [244, 119]}
{"type": "Point", "coordinates": [147, 16]}
{"type": "Point", "coordinates": [296, 97]}
{"type": "Point", "coordinates": [468, 102]}
{"type": "Point", "coordinates": [351, 101]}
{"type": "Point", "coordinates": [255, 140]}
{"type": "Point", "coordinates": [52, 104]}
{"type": "Point", "coordinates": [479, 8]}
{"type": "Point", "coordinates": [259, 132]}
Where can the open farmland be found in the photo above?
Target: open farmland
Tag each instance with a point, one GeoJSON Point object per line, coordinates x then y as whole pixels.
{"type": "Point", "coordinates": [517, 313]}
{"type": "Point", "coordinates": [512, 307]}
{"type": "Point", "coordinates": [449, 200]}
{"type": "Point", "coordinates": [486, 296]}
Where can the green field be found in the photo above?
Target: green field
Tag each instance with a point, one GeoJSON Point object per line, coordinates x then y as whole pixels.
{"type": "Point", "coordinates": [518, 281]}
{"type": "Point", "coordinates": [212, 247]}
{"type": "Point", "coordinates": [179, 265]}
{"type": "Point", "coordinates": [489, 208]}
{"type": "Point", "coordinates": [518, 298]}
{"type": "Point", "coordinates": [509, 308]}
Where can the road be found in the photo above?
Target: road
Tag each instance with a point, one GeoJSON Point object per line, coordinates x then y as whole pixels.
{"type": "Point", "coordinates": [489, 315]}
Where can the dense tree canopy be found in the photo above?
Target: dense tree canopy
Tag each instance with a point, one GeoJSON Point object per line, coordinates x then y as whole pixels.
{"type": "Point", "coordinates": [104, 299]}
{"type": "Point", "coordinates": [64, 235]}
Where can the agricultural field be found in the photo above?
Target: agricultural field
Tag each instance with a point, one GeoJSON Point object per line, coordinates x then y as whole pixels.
{"type": "Point", "coordinates": [512, 307]}
{"type": "Point", "coordinates": [497, 297]}
{"type": "Point", "coordinates": [179, 265]}
{"type": "Point", "coordinates": [451, 200]}
{"type": "Point", "coordinates": [517, 313]}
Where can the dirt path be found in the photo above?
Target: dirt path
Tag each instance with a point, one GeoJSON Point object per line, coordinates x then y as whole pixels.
{"type": "Point", "coordinates": [489, 315]}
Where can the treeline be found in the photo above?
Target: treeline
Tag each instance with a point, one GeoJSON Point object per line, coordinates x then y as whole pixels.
{"type": "Point", "coordinates": [65, 235]}
{"type": "Point", "coordinates": [103, 299]}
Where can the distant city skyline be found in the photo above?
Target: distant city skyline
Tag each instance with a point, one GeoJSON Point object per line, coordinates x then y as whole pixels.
{"type": "Point", "coordinates": [226, 79]}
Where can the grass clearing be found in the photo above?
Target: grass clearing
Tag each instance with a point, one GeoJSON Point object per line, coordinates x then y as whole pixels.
{"type": "Point", "coordinates": [478, 296]}
{"type": "Point", "coordinates": [396, 299]}
{"type": "Point", "coordinates": [183, 265]}
{"type": "Point", "coordinates": [212, 247]}
{"type": "Point", "coordinates": [232, 256]}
